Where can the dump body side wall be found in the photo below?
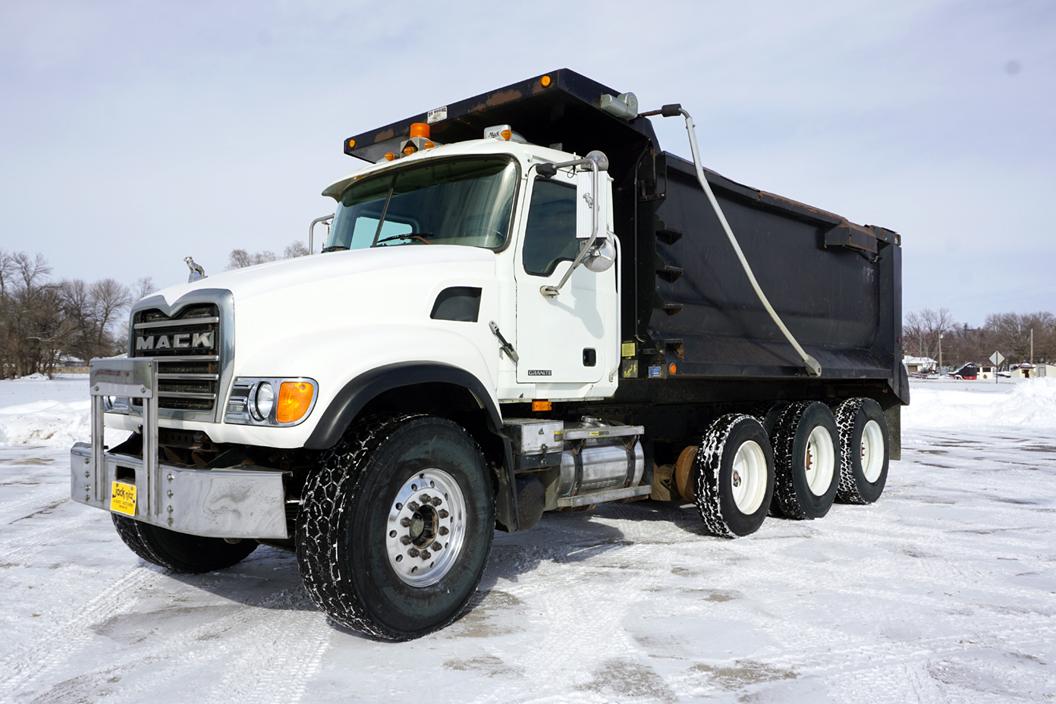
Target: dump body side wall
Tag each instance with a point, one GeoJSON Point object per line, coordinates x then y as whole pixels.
{"type": "Point", "coordinates": [836, 285]}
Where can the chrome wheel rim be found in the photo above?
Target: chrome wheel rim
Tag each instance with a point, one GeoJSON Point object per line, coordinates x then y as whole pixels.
{"type": "Point", "coordinates": [872, 451]}
{"type": "Point", "coordinates": [748, 477]}
{"type": "Point", "coordinates": [819, 461]}
{"type": "Point", "coordinates": [426, 527]}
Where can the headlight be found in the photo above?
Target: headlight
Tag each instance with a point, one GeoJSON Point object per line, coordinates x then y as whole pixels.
{"type": "Point", "coordinates": [272, 401]}
{"type": "Point", "coordinates": [262, 401]}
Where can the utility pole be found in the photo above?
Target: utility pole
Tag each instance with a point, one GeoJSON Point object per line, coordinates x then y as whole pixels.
{"type": "Point", "coordinates": [1032, 346]}
{"type": "Point", "coordinates": [940, 353]}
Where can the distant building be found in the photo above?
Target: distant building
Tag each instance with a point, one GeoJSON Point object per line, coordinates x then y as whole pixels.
{"type": "Point", "coordinates": [918, 366]}
{"type": "Point", "coordinates": [69, 361]}
{"type": "Point", "coordinates": [1022, 371]}
{"type": "Point", "coordinates": [1044, 370]}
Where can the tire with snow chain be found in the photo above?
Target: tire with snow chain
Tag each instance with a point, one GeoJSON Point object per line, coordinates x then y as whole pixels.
{"type": "Point", "coordinates": [180, 552]}
{"type": "Point", "coordinates": [806, 448]}
{"type": "Point", "coordinates": [735, 476]}
{"type": "Point", "coordinates": [863, 449]}
{"type": "Point", "coordinates": [395, 527]}
{"type": "Point", "coordinates": [772, 416]}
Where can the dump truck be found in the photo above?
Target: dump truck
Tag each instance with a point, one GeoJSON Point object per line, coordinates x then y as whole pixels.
{"type": "Point", "coordinates": [520, 304]}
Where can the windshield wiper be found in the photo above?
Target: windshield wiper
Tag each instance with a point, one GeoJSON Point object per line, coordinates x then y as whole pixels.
{"type": "Point", "coordinates": [335, 248]}
{"type": "Point", "coordinates": [419, 236]}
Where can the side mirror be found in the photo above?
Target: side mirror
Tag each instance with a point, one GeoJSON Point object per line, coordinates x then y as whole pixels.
{"type": "Point", "coordinates": [592, 212]}
{"type": "Point", "coordinates": [592, 184]}
{"type": "Point", "coordinates": [601, 256]}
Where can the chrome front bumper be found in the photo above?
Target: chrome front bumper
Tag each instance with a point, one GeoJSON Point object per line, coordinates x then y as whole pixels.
{"type": "Point", "coordinates": [214, 503]}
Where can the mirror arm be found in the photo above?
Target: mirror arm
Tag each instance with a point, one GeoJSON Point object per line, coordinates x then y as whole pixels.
{"type": "Point", "coordinates": [311, 230]}
{"type": "Point", "coordinates": [597, 162]}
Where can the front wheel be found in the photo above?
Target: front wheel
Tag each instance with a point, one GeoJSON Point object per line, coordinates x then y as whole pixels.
{"type": "Point", "coordinates": [395, 527]}
{"type": "Point", "coordinates": [735, 476]}
{"type": "Point", "coordinates": [180, 552]}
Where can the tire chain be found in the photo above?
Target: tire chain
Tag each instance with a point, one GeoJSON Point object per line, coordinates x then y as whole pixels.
{"type": "Point", "coordinates": [130, 534]}
{"type": "Point", "coordinates": [337, 478]}
{"type": "Point", "coordinates": [786, 502]}
{"type": "Point", "coordinates": [846, 413]}
{"type": "Point", "coordinates": [708, 464]}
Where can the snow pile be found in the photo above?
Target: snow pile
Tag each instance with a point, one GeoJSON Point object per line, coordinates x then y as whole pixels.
{"type": "Point", "coordinates": [35, 410]}
{"type": "Point", "coordinates": [980, 404]}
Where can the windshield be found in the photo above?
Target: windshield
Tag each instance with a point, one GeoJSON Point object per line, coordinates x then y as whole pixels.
{"type": "Point", "coordinates": [450, 201]}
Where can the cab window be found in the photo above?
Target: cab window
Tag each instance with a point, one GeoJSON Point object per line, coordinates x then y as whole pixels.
{"type": "Point", "coordinates": [550, 234]}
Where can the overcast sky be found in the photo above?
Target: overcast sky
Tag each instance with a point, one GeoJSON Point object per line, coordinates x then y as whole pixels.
{"type": "Point", "coordinates": [133, 133]}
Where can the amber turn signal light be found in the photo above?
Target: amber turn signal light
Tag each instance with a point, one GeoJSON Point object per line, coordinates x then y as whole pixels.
{"type": "Point", "coordinates": [295, 400]}
{"type": "Point", "coordinates": [542, 406]}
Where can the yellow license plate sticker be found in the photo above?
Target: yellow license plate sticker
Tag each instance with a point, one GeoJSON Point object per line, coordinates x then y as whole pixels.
{"type": "Point", "coordinates": [123, 498]}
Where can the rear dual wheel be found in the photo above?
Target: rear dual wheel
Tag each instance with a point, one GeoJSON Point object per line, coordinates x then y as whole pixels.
{"type": "Point", "coordinates": [807, 457]}
{"type": "Point", "coordinates": [864, 451]}
{"type": "Point", "coordinates": [734, 469]}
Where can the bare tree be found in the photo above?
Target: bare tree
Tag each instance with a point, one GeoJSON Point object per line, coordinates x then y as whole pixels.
{"type": "Point", "coordinates": [294, 250]}
{"type": "Point", "coordinates": [920, 334]}
{"type": "Point", "coordinates": [241, 258]}
{"type": "Point", "coordinates": [143, 288]}
{"type": "Point", "coordinates": [110, 298]}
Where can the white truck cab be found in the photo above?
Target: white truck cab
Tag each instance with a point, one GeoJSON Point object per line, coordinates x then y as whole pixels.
{"type": "Point", "coordinates": [435, 258]}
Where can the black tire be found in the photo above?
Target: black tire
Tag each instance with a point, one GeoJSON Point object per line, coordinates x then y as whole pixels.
{"type": "Point", "coordinates": [180, 552]}
{"type": "Point", "coordinates": [852, 418]}
{"type": "Point", "coordinates": [342, 528]}
{"type": "Point", "coordinates": [795, 463]}
{"type": "Point", "coordinates": [773, 415]}
{"type": "Point", "coordinates": [715, 476]}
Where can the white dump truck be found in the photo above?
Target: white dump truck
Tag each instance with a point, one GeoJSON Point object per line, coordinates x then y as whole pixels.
{"type": "Point", "coordinates": [522, 304]}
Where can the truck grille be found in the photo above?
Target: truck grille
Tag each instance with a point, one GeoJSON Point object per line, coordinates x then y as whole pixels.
{"type": "Point", "coordinates": [187, 349]}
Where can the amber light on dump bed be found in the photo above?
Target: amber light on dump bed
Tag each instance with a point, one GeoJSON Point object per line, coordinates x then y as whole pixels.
{"type": "Point", "coordinates": [295, 398]}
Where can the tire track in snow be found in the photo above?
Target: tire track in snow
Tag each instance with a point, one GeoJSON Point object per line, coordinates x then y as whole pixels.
{"type": "Point", "coordinates": [55, 647]}
{"type": "Point", "coordinates": [572, 617]}
{"type": "Point", "coordinates": [32, 505]}
{"type": "Point", "coordinates": [284, 648]}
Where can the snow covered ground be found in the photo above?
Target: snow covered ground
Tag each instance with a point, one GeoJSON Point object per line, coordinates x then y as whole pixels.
{"type": "Point", "coordinates": [945, 590]}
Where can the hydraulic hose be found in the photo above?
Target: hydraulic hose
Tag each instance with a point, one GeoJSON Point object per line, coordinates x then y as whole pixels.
{"type": "Point", "coordinates": [812, 365]}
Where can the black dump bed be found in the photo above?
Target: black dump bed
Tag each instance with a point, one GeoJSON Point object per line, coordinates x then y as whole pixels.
{"type": "Point", "coordinates": [685, 298]}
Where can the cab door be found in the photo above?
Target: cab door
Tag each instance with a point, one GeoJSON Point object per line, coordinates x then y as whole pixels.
{"type": "Point", "coordinates": [571, 338]}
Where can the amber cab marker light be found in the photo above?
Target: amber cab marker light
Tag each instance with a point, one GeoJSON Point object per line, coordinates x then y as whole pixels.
{"type": "Point", "coordinates": [408, 150]}
{"type": "Point", "coordinates": [295, 398]}
{"type": "Point", "coordinates": [420, 129]}
{"type": "Point", "coordinates": [429, 145]}
{"type": "Point", "coordinates": [542, 406]}
{"type": "Point", "coordinates": [389, 156]}
{"type": "Point", "coordinates": [545, 81]}
{"type": "Point", "coordinates": [506, 134]}
{"type": "Point", "coordinates": [351, 144]}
